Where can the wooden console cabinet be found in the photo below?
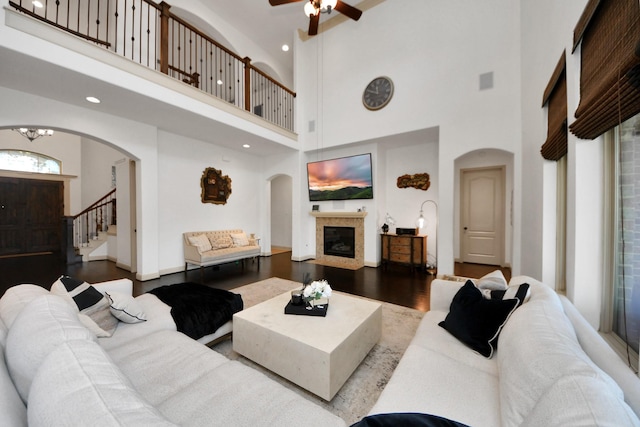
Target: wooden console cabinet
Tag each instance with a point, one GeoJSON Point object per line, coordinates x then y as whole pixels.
{"type": "Point", "coordinates": [404, 249]}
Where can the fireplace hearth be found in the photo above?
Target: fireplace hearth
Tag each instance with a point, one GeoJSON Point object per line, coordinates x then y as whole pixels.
{"type": "Point", "coordinates": [339, 241]}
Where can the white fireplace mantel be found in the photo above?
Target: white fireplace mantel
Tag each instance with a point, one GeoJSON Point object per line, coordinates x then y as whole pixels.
{"type": "Point", "coordinates": [338, 214]}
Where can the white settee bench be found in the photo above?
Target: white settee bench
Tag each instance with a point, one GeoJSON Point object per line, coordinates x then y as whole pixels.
{"type": "Point", "coordinates": [207, 248]}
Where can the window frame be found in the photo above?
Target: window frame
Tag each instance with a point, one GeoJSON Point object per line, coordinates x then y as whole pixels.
{"type": "Point", "coordinates": [612, 221]}
{"type": "Point", "coordinates": [32, 155]}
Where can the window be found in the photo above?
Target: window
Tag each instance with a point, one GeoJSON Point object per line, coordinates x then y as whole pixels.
{"type": "Point", "coordinates": [625, 321]}
{"type": "Point", "coordinates": [26, 161]}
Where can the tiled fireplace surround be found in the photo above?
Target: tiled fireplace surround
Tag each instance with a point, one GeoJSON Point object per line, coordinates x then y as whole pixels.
{"type": "Point", "coordinates": [340, 219]}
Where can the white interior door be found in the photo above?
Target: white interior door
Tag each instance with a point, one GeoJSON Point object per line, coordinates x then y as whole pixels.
{"type": "Point", "coordinates": [482, 215]}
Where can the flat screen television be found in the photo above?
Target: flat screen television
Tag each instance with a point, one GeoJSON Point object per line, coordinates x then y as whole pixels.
{"type": "Point", "coordinates": [346, 178]}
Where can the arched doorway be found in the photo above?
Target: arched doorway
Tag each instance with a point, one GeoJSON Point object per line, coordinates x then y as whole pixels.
{"type": "Point", "coordinates": [281, 213]}
{"type": "Point", "coordinates": [90, 169]}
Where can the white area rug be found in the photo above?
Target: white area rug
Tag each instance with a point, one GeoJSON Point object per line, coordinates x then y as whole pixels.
{"type": "Point", "coordinates": [356, 398]}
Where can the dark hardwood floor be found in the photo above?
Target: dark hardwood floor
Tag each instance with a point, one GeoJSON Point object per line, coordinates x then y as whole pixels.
{"type": "Point", "coordinates": [396, 284]}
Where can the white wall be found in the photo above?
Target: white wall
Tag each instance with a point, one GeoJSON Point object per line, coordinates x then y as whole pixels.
{"type": "Point", "coordinates": [181, 162]}
{"type": "Point", "coordinates": [403, 204]}
{"type": "Point", "coordinates": [97, 160]}
{"type": "Point", "coordinates": [434, 52]}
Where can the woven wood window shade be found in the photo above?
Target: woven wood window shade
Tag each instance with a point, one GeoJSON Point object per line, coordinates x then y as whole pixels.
{"type": "Point", "coordinates": [555, 97]}
{"type": "Point", "coordinates": [610, 77]}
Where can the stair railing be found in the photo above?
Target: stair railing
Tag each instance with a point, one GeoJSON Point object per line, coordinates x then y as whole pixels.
{"type": "Point", "coordinates": [94, 219]}
{"type": "Point", "coordinates": [151, 35]}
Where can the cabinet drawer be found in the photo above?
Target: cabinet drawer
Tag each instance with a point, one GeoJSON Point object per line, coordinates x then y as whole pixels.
{"type": "Point", "coordinates": [400, 241]}
{"type": "Point", "coordinates": [400, 249]}
{"type": "Point", "coordinates": [396, 257]}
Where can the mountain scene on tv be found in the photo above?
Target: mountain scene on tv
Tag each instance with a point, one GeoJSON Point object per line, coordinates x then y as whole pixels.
{"type": "Point", "coordinates": [340, 179]}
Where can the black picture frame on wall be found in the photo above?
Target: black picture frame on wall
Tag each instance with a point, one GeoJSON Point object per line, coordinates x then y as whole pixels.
{"type": "Point", "coordinates": [315, 208]}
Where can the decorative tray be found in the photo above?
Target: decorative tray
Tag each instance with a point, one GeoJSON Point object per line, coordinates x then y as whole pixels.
{"type": "Point", "coordinates": [302, 310]}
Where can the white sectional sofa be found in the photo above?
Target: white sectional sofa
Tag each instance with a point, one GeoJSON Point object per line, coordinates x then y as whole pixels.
{"type": "Point", "coordinates": [55, 372]}
{"type": "Point", "coordinates": [551, 368]}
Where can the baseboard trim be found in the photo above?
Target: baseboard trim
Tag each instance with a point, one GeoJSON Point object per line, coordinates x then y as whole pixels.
{"type": "Point", "coordinates": [144, 277]}
{"type": "Point", "coordinates": [123, 266]}
{"type": "Point", "coordinates": [176, 269]}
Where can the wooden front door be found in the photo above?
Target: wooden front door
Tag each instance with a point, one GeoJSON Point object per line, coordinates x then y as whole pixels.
{"type": "Point", "coordinates": [30, 216]}
{"type": "Point", "coordinates": [482, 215]}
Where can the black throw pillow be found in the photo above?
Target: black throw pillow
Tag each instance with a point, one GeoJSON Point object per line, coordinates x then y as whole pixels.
{"type": "Point", "coordinates": [477, 321]}
{"type": "Point", "coordinates": [406, 419]}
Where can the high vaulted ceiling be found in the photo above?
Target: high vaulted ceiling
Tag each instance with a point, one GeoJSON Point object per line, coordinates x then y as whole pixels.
{"type": "Point", "coordinates": [275, 26]}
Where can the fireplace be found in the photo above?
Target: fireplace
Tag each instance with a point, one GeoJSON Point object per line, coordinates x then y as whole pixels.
{"type": "Point", "coordinates": [340, 241]}
{"type": "Point", "coordinates": [340, 220]}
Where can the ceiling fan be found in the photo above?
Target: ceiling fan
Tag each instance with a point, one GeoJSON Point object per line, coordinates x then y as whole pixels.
{"type": "Point", "coordinates": [314, 8]}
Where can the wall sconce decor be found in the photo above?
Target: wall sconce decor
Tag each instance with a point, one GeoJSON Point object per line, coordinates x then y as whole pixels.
{"type": "Point", "coordinates": [216, 188]}
{"type": "Point", "coordinates": [420, 181]}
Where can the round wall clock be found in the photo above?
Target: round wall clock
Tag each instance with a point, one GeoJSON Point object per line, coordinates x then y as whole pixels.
{"type": "Point", "coordinates": [378, 93]}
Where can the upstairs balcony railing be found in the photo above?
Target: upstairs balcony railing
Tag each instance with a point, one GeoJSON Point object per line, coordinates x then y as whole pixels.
{"type": "Point", "coordinates": [151, 35]}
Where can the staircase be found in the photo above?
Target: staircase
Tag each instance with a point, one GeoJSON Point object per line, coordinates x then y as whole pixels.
{"type": "Point", "coordinates": [93, 229]}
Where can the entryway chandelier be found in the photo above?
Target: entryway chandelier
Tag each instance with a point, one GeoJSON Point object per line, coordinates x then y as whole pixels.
{"type": "Point", "coordinates": [33, 134]}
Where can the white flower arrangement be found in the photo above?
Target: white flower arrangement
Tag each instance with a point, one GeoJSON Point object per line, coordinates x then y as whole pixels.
{"type": "Point", "coordinates": [316, 290]}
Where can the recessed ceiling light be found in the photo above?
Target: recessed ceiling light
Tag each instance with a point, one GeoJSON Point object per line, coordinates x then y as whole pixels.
{"type": "Point", "coordinates": [93, 99]}
{"type": "Point", "coordinates": [285, 48]}
{"type": "Point", "coordinates": [37, 4]}
{"type": "Point", "coordinates": [219, 82]}
{"type": "Point", "coordinates": [246, 145]}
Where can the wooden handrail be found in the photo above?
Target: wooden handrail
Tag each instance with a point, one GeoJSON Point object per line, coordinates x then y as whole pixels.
{"type": "Point", "coordinates": [75, 33]}
{"type": "Point", "coordinates": [95, 204]}
{"type": "Point", "coordinates": [151, 35]}
{"type": "Point", "coordinates": [201, 34]}
{"type": "Point", "coordinates": [268, 77]}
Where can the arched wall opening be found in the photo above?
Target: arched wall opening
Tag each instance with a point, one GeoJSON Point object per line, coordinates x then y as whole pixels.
{"type": "Point", "coordinates": [91, 168]}
{"type": "Point", "coordinates": [281, 211]}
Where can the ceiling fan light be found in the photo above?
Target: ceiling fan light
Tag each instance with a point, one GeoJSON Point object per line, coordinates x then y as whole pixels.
{"type": "Point", "coordinates": [310, 9]}
{"type": "Point", "coordinates": [329, 4]}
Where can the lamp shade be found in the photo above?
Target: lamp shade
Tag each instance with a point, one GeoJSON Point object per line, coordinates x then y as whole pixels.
{"type": "Point", "coordinates": [310, 9]}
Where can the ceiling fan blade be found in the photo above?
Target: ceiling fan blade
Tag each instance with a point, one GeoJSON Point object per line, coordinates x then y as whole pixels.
{"type": "Point", "coordinates": [348, 10]}
{"type": "Point", "coordinates": [279, 2]}
{"type": "Point", "coordinates": [313, 24]}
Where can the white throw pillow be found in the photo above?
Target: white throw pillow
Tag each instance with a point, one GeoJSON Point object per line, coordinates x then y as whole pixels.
{"type": "Point", "coordinates": [493, 281]}
{"type": "Point", "coordinates": [239, 239]}
{"type": "Point", "coordinates": [201, 242]}
{"type": "Point", "coordinates": [92, 305]}
{"type": "Point", "coordinates": [125, 308]}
